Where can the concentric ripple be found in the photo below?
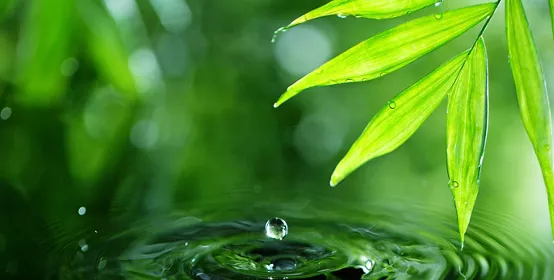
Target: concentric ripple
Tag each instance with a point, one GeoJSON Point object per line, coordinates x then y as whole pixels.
{"type": "Point", "coordinates": [370, 246]}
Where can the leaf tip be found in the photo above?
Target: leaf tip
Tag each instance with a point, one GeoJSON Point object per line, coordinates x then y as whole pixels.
{"type": "Point", "coordinates": [286, 96]}
{"type": "Point", "coordinates": [297, 21]}
{"type": "Point", "coordinates": [463, 212]}
{"type": "Point", "coordinates": [336, 178]}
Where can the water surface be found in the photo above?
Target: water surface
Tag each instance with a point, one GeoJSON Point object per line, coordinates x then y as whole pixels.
{"type": "Point", "coordinates": [323, 242]}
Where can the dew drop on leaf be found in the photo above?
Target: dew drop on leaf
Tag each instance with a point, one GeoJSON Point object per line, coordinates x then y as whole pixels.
{"type": "Point", "coordinates": [438, 16]}
{"type": "Point", "coordinates": [276, 228]}
{"type": "Point", "coordinates": [454, 184]}
{"type": "Point", "coordinates": [438, 3]}
{"type": "Point", "coordinates": [341, 15]}
{"type": "Point", "coordinates": [392, 104]}
{"type": "Point", "coordinates": [277, 32]}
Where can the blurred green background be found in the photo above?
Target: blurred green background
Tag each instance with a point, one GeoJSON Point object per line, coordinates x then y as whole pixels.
{"type": "Point", "coordinates": [113, 110]}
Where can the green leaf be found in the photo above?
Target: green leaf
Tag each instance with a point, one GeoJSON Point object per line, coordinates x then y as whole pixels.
{"type": "Point", "coordinates": [466, 132]}
{"type": "Point", "coordinates": [531, 92]}
{"type": "Point", "coordinates": [376, 9]}
{"type": "Point", "coordinates": [392, 49]}
{"type": "Point", "coordinates": [6, 8]}
{"type": "Point", "coordinates": [552, 14]}
{"type": "Point", "coordinates": [397, 121]}
{"type": "Point", "coordinates": [106, 47]}
{"type": "Point", "coordinates": [47, 39]}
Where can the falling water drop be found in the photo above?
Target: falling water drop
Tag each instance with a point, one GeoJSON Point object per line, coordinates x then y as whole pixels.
{"type": "Point", "coordinates": [438, 16]}
{"type": "Point", "coordinates": [276, 228]}
{"type": "Point", "coordinates": [277, 32]}
{"type": "Point", "coordinates": [392, 104]}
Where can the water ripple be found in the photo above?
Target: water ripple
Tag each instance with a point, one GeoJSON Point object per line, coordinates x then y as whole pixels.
{"type": "Point", "coordinates": [321, 245]}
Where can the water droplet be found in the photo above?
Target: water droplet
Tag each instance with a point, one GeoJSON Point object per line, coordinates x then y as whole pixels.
{"type": "Point", "coordinates": [277, 32]}
{"type": "Point", "coordinates": [438, 16]}
{"type": "Point", "coordinates": [341, 15]}
{"type": "Point", "coordinates": [349, 80]}
{"type": "Point", "coordinates": [82, 211]}
{"type": "Point", "coordinates": [6, 113]}
{"type": "Point", "coordinates": [547, 148]}
{"type": "Point", "coordinates": [454, 184]}
{"type": "Point", "coordinates": [369, 266]}
{"type": "Point", "coordinates": [83, 244]}
{"type": "Point", "coordinates": [69, 67]}
{"type": "Point", "coordinates": [102, 264]}
{"type": "Point", "coordinates": [392, 104]}
{"type": "Point", "coordinates": [438, 3]}
{"type": "Point", "coordinates": [276, 228]}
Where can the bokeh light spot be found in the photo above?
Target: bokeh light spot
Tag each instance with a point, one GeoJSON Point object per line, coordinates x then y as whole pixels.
{"type": "Point", "coordinates": [302, 49]}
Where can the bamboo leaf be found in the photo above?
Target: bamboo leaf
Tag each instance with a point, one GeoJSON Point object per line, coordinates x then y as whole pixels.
{"type": "Point", "coordinates": [392, 49]}
{"type": "Point", "coordinates": [46, 41]}
{"type": "Point", "coordinates": [531, 92]}
{"type": "Point", "coordinates": [397, 121]}
{"type": "Point", "coordinates": [106, 48]}
{"type": "Point", "coordinates": [551, 2]}
{"type": "Point", "coordinates": [6, 8]}
{"type": "Point", "coordinates": [467, 132]}
{"type": "Point", "coordinates": [376, 9]}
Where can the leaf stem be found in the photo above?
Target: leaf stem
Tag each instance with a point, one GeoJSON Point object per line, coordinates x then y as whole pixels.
{"type": "Point", "coordinates": [486, 24]}
{"type": "Point", "coordinates": [478, 36]}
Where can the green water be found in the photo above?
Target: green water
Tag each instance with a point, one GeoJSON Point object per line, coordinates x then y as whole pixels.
{"type": "Point", "coordinates": [324, 241]}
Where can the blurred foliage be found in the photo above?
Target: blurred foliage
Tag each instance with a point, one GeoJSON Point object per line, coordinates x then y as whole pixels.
{"type": "Point", "coordinates": [133, 108]}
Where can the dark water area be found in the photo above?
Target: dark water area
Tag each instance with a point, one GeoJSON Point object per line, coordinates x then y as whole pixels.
{"type": "Point", "coordinates": [324, 241]}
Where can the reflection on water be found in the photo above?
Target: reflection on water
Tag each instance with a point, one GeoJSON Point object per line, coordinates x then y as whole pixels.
{"type": "Point", "coordinates": [324, 243]}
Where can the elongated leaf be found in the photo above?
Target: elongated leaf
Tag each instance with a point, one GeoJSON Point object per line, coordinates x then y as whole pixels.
{"type": "Point", "coordinates": [397, 121]}
{"type": "Point", "coordinates": [6, 7]}
{"type": "Point", "coordinates": [466, 132]}
{"type": "Point", "coordinates": [106, 48]}
{"type": "Point", "coordinates": [45, 42]}
{"type": "Point", "coordinates": [376, 9]}
{"type": "Point", "coordinates": [531, 91]}
{"type": "Point", "coordinates": [552, 14]}
{"type": "Point", "coordinates": [392, 49]}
